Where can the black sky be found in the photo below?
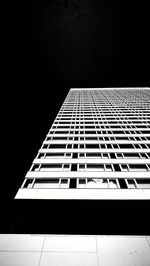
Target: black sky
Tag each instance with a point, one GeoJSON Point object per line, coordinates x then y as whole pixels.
{"type": "Point", "coordinates": [82, 42]}
{"type": "Point", "coordinates": [58, 44]}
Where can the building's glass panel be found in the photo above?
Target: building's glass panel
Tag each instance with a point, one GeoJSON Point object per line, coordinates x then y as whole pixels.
{"type": "Point", "coordinates": [143, 183]}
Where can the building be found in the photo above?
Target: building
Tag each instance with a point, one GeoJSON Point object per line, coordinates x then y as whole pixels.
{"type": "Point", "coordinates": [97, 148]}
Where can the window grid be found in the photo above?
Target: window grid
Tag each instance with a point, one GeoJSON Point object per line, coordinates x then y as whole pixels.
{"type": "Point", "coordinates": [108, 128]}
{"type": "Point", "coordinates": [103, 183]}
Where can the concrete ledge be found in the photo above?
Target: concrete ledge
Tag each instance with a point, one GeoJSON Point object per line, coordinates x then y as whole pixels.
{"type": "Point", "coordinates": [84, 194]}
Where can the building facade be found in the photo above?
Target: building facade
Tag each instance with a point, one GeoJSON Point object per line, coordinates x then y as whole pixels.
{"type": "Point", "coordinates": [97, 148]}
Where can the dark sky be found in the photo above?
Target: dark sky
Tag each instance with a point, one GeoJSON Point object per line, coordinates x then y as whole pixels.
{"type": "Point", "coordinates": [58, 44]}
{"type": "Point", "coordinates": [82, 43]}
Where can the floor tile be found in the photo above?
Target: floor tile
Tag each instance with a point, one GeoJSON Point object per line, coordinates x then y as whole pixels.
{"type": "Point", "coordinates": [21, 242]}
{"type": "Point", "coordinates": [68, 259]}
{"type": "Point", "coordinates": [123, 251]}
{"type": "Point", "coordinates": [70, 243]}
{"type": "Point", "coordinates": [19, 258]}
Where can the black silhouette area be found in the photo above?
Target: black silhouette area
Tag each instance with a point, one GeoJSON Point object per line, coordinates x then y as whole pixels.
{"type": "Point", "coordinates": [82, 43]}
{"type": "Point", "coordinates": [56, 45]}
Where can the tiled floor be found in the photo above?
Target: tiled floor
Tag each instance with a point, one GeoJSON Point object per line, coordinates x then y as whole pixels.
{"type": "Point", "coordinates": [123, 251]}
{"type": "Point", "coordinates": [68, 250]}
{"type": "Point", "coordinates": [70, 244]}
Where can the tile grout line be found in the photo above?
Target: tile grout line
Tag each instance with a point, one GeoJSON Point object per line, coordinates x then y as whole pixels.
{"type": "Point", "coordinates": [27, 251]}
{"type": "Point", "coordinates": [62, 251]}
{"type": "Point", "coordinates": [41, 251]}
{"type": "Point", "coordinates": [97, 251]}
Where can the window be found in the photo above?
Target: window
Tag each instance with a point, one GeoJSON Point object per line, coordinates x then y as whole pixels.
{"type": "Point", "coordinates": [112, 156]}
{"type": "Point", "coordinates": [105, 155]}
{"type": "Point", "coordinates": [61, 132]}
{"type": "Point", "coordinates": [131, 183]}
{"type": "Point", "coordinates": [102, 146]}
{"type": "Point", "coordinates": [75, 146]}
{"type": "Point", "coordinates": [57, 146]}
{"type": "Point", "coordinates": [121, 138]}
{"type": "Point", "coordinates": [118, 132]}
{"type": "Point", "coordinates": [69, 146]}
{"type": "Point", "coordinates": [115, 146]}
{"type": "Point", "coordinates": [148, 154]}
{"type": "Point", "coordinates": [137, 146]}
{"type": "Point", "coordinates": [116, 167]}
{"type": "Point", "coordinates": [48, 167]}
{"type": "Point", "coordinates": [81, 183]}
{"type": "Point", "coordinates": [93, 154]}
{"type": "Point", "coordinates": [45, 146]}
{"type": "Point", "coordinates": [92, 146]}
{"type": "Point", "coordinates": [59, 138]}
{"type": "Point", "coordinates": [46, 183]}
{"type": "Point", "coordinates": [41, 155]}
{"type": "Point", "coordinates": [28, 183]}
{"type": "Point", "coordinates": [98, 167]}
{"type": "Point", "coordinates": [81, 166]}
{"type": "Point", "coordinates": [64, 183]}
{"type": "Point", "coordinates": [81, 146]}
{"type": "Point", "coordinates": [145, 132]}
{"type": "Point", "coordinates": [138, 167]}
{"type": "Point", "coordinates": [74, 167]}
{"type": "Point", "coordinates": [68, 154]}
{"type": "Point", "coordinates": [143, 146]}
{"type": "Point", "coordinates": [124, 167]}
{"type": "Point", "coordinates": [91, 138]}
{"type": "Point", "coordinates": [35, 167]}
{"type": "Point", "coordinates": [125, 146]}
{"type": "Point", "coordinates": [87, 132]}
{"type": "Point", "coordinates": [143, 183]}
{"type": "Point", "coordinates": [81, 155]}
{"type": "Point", "coordinates": [131, 155]}
{"type": "Point", "coordinates": [49, 155]}
{"type": "Point", "coordinates": [66, 166]}
{"type": "Point", "coordinates": [73, 183]}
{"type": "Point", "coordinates": [108, 167]}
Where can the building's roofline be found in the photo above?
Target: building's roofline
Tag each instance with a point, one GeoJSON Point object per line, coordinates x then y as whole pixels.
{"type": "Point", "coordinates": [118, 88]}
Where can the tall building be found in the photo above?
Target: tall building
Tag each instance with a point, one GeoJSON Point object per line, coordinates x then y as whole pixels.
{"type": "Point", "coordinates": [97, 148]}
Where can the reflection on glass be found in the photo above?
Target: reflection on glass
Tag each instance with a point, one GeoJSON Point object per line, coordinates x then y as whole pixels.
{"type": "Point", "coordinates": [112, 184]}
{"type": "Point", "coordinates": [97, 183]}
